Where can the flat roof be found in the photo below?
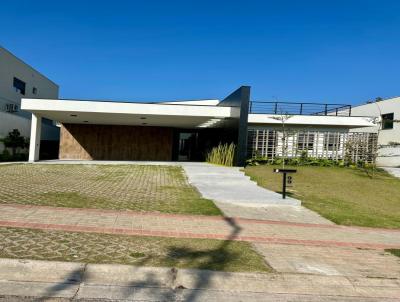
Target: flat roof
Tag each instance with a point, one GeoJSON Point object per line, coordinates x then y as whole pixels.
{"type": "Point", "coordinates": [124, 113]}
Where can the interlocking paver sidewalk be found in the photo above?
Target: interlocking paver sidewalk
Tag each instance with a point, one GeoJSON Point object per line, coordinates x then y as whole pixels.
{"type": "Point", "coordinates": [186, 226]}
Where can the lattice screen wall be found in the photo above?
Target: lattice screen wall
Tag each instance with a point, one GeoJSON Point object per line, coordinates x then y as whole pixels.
{"type": "Point", "coordinates": [322, 144]}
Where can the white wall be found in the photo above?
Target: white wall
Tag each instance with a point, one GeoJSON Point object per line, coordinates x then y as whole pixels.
{"type": "Point", "coordinates": [10, 67]}
{"type": "Point", "coordinates": [376, 109]}
{"type": "Point", "coordinates": [300, 127]}
{"type": "Point", "coordinates": [311, 120]}
{"type": "Point", "coordinates": [389, 156]}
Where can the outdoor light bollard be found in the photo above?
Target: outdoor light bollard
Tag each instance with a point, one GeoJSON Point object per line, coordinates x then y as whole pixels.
{"type": "Point", "coordinates": [284, 180]}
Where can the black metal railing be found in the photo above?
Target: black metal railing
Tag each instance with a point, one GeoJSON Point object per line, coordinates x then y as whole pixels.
{"type": "Point", "coordinates": [299, 108]}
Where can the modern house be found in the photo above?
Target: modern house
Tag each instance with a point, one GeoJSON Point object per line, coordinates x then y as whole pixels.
{"type": "Point", "coordinates": [187, 130]}
{"type": "Point", "coordinates": [18, 80]}
{"type": "Point", "coordinates": [387, 113]}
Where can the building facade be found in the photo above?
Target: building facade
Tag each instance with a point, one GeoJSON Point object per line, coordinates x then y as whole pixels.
{"type": "Point", "coordinates": [187, 130]}
{"type": "Point", "coordinates": [18, 80]}
{"type": "Point", "coordinates": [387, 114]}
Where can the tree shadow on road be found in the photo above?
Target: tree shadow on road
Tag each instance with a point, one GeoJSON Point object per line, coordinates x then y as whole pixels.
{"type": "Point", "coordinates": [73, 279]}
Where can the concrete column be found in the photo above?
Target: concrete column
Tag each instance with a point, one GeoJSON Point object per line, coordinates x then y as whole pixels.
{"type": "Point", "coordinates": [240, 98]}
{"type": "Point", "coordinates": [34, 145]}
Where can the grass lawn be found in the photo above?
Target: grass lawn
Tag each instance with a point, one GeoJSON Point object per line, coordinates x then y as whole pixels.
{"type": "Point", "coordinates": [118, 187]}
{"type": "Point", "coordinates": [395, 252]}
{"type": "Point", "coordinates": [208, 254]}
{"type": "Point", "coordinates": [343, 195]}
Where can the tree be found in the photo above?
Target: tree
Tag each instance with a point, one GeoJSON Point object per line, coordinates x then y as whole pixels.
{"type": "Point", "coordinates": [14, 140]}
{"type": "Point", "coordinates": [283, 118]}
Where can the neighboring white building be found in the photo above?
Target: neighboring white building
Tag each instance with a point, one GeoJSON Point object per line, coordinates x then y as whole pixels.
{"type": "Point", "coordinates": [387, 111]}
{"type": "Point", "coordinates": [19, 80]}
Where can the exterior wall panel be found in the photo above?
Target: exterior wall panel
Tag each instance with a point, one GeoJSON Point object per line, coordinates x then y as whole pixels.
{"type": "Point", "coordinates": [329, 144]}
{"type": "Point", "coordinates": [111, 142]}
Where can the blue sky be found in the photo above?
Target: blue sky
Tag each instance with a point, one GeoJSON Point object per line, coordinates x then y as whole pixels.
{"type": "Point", "coordinates": [325, 51]}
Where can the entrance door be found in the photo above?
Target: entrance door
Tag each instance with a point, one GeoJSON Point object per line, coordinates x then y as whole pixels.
{"type": "Point", "coordinates": [187, 141]}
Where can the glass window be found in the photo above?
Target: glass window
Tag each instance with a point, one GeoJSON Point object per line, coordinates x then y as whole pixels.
{"type": "Point", "coordinates": [387, 121]}
{"type": "Point", "coordinates": [305, 141]}
{"type": "Point", "coordinates": [19, 86]}
{"type": "Point", "coordinates": [332, 141]}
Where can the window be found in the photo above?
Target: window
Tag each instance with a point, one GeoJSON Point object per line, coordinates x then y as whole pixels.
{"type": "Point", "coordinates": [387, 121]}
{"type": "Point", "coordinates": [305, 141]}
{"type": "Point", "coordinates": [332, 141]}
{"type": "Point", "coordinates": [19, 86]}
{"type": "Point", "coordinates": [34, 90]}
{"type": "Point", "coordinates": [11, 108]}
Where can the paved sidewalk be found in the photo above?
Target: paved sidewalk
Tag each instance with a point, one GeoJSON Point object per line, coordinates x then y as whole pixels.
{"type": "Point", "coordinates": [394, 171]}
{"type": "Point", "coordinates": [330, 261]}
{"type": "Point", "coordinates": [80, 281]}
{"type": "Point", "coordinates": [186, 226]}
{"type": "Point", "coordinates": [230, 185]}
{"type": "Point", "coordinates": [273, 212]}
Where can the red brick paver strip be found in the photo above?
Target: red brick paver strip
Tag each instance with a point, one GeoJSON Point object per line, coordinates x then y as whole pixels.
{"type": "Point", "coordinates": [188, 226]}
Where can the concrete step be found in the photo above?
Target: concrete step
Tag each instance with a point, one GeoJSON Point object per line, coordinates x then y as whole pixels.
{"type": "Point", "coordinates": [229, 184]}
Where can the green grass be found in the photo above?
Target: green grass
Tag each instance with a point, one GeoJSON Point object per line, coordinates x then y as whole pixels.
{"type": "Point", "coordinates": [189, 202]}
{"type": "Point", "coordinates": [395, 252]}
{"type": "Point", "coordinates": [343, 195]}
{"type": "Point", "coordinates": [118, 187]}
{"type": "Point", "coordinates": [218, 255]}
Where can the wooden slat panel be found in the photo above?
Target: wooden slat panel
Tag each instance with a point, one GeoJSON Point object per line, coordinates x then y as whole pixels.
{"type": "Point", "coordinates": [112, 142]}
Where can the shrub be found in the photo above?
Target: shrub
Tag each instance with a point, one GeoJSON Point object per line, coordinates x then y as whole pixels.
{"type": "Point", "coordinates": [14, 140]}
{"type": "Point", "coordinates": [7, 156]}
{"type": "Point", "coordinates": [311, 161]}
{"type": "Point", "coordinates": [296, 161]}
{"type": "Point", "coordinates": [223, 154]}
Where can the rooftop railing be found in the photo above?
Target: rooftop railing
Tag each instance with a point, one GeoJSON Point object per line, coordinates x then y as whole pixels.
{"type": "Point", "coordinates": [299, 108]}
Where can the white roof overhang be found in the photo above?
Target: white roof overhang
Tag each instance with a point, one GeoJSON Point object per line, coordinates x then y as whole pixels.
{"type": "Point", "coordinates": [117, 113]}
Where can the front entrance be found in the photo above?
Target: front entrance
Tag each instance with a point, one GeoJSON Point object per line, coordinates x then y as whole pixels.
{"type": "Point", "coordinates": [186, 146]}
{"type": "Point", "coordinates": [194, 144]}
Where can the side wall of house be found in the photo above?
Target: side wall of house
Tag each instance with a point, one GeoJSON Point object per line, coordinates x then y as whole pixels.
{"type": "Point", "coordinates": [376, 109]}
{"type": "Point", "coordinates": [112, 142]}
